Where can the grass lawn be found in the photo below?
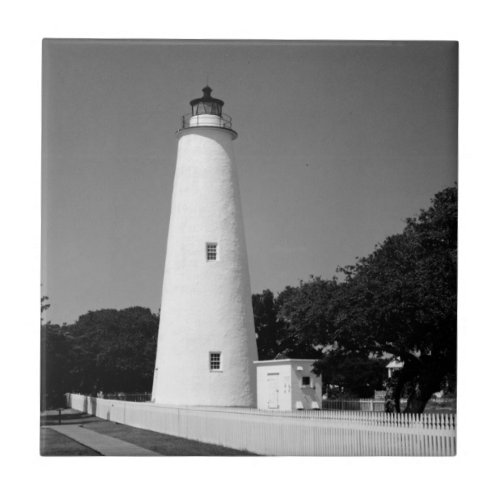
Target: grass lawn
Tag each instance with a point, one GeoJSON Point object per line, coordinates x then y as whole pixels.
{"type": "Point", "coordinates": [53, 444]}
{"type": "Point", "coordinates": [163, 444]}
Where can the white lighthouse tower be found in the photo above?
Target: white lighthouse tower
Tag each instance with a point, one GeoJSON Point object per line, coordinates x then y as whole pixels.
{"type": "Point", "coordinates": [206, 341]}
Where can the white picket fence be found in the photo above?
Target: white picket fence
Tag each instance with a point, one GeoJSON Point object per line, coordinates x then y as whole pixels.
{"type": "Point", "coordinates": [314, 433]}
{"type": "Point", "coordinates": [354, 404]}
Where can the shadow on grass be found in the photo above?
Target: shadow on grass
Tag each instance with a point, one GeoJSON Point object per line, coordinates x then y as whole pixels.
{"type": "Point", "coordinates": [66, 418]}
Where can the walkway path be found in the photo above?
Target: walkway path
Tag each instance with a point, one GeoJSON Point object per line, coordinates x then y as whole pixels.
{"type": "Point", "coordinates": [105, 445]}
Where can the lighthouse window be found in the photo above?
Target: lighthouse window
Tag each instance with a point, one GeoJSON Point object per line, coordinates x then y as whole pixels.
{"type": "Point", "coordinates": [215, 361]}
{"type": "Point", "coordinates": [211, 251]}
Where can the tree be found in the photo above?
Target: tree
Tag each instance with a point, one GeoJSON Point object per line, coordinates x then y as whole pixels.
{"type": "Point", "coordinates": [54, 349]}
{"type": "Point", "coordinates": [55, 365]}
{"type": "Point", "coordinates": [113, 351]}
{"type": "Point", "coordinates": [307, 314]}
{"type": "Point", "coordinates": [295, 322]}
{"type": "Point", "coordinates": [354, 376]}
{"type": "Point", "coordinates": [106, 350]}
{"type": "Point", "coordinates": [267, 326]}
{"type": "Point", "coordinates": [402, 299]}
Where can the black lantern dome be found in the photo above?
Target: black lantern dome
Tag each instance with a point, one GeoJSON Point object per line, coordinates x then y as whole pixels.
{"type": "Point", "coordinates": [207, 105]}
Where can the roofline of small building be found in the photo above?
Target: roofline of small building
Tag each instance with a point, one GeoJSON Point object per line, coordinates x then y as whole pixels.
{"type": "Point", "coordinates": [284, 360]}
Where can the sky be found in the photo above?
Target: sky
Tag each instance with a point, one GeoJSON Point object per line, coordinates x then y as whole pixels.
{"type": "Point", "coordinates": [338, 143]}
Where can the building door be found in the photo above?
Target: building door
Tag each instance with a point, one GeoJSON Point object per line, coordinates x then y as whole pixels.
{"type": "Point", "coordinates": [273, 391]}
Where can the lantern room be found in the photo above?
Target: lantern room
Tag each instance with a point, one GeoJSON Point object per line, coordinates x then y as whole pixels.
{"type": "Point", "coordinates": [206, 111]}
{"type": "Point", "coordinates": [206, 105]}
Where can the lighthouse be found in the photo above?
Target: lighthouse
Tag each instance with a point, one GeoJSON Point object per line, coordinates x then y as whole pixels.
{"type": "Point", "coordinates": [206, 339]}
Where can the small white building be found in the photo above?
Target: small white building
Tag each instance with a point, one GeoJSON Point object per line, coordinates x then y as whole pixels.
{"type": "Point", "coordinates": [288, 384]}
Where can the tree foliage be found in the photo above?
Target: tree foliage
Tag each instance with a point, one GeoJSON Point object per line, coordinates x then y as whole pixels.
{"type": "Point", "coordinates": [55, 365]}
{"type": "Point", "coordinates": [114, 350]}
{"type": "Point", "coordinates": [307, 312]}
{"type": "Point", "coordinates": [294, 323]}
{"type": "Point", "coordinates": [267, 326]}
{"type": "Point", "coordinates": [351, 375]}
{"type": "Point", "coordinates": [107, 350]}
{"type": "Point", "coordinates": [402, 300]}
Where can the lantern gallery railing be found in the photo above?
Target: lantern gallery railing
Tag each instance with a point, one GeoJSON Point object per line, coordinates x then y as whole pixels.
{"type": "Point", "coordinates": [207, 120]}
